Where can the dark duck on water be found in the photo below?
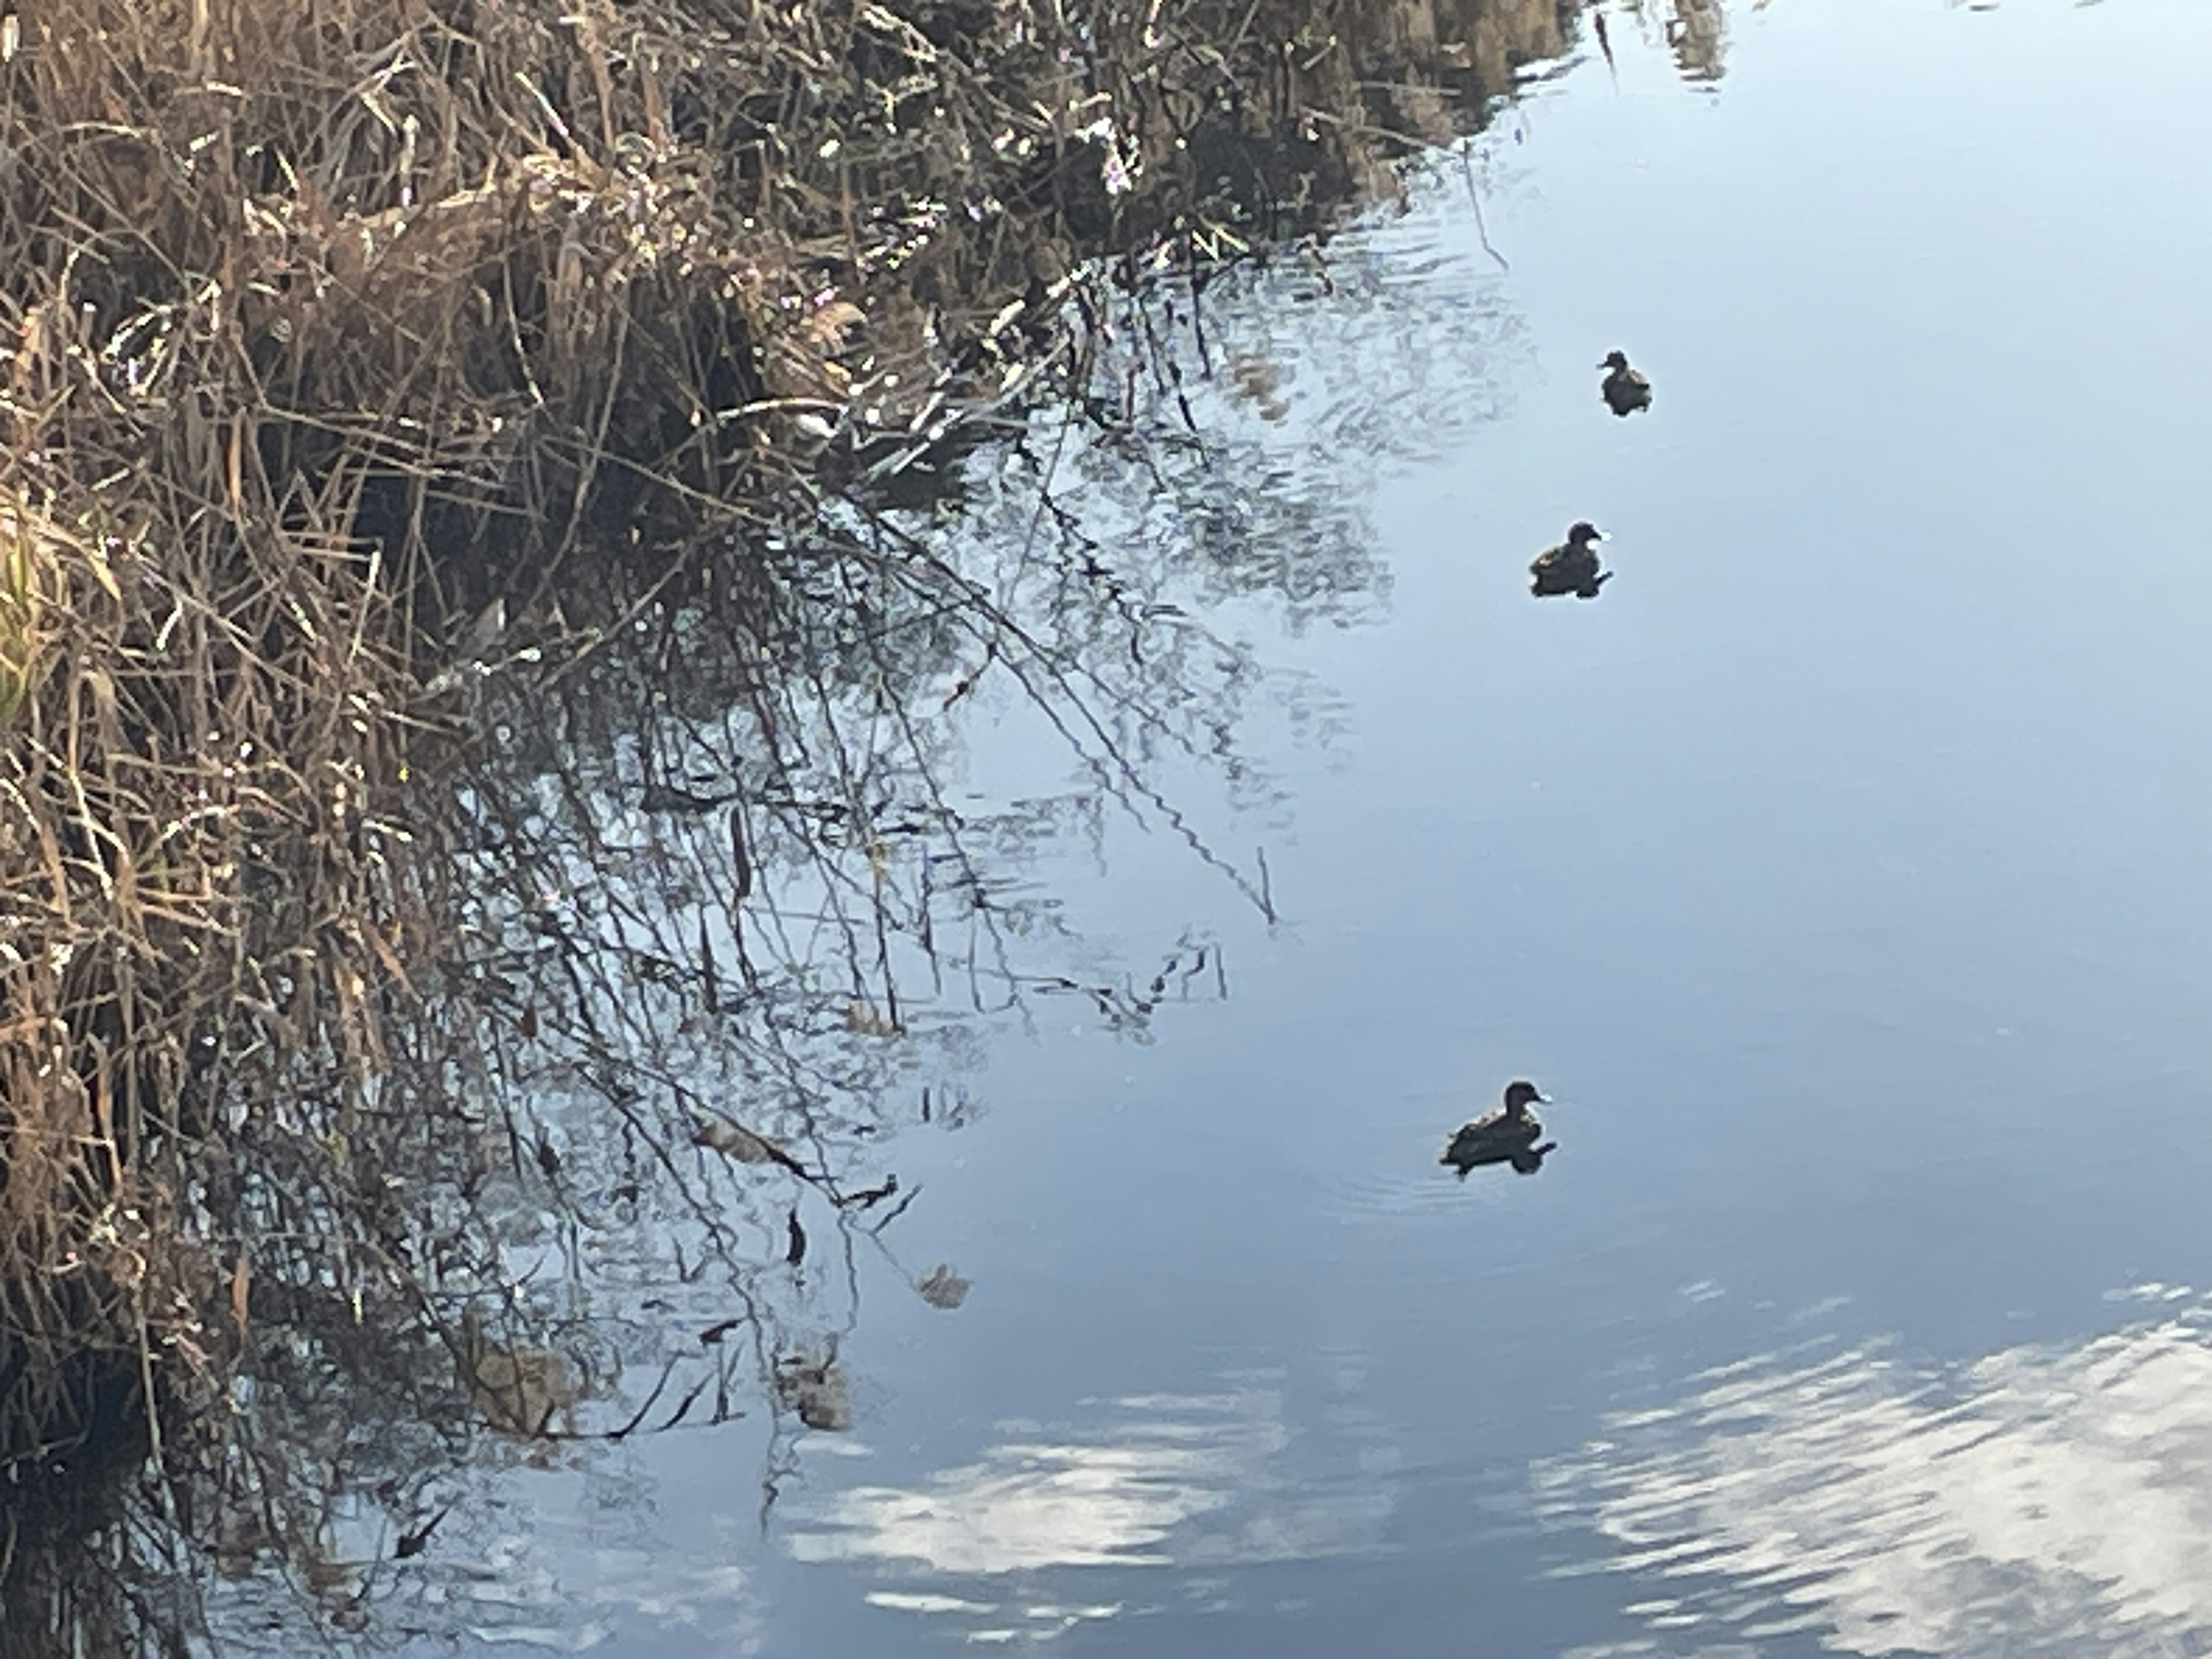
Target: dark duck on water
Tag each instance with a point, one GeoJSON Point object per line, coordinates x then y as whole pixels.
{"type": "Point", "coordinates": [1624, 389]}
{"type": "Point", "coordinates": [1572, 567]}
{"type": "Point", "coordinates": [1507, 1135]}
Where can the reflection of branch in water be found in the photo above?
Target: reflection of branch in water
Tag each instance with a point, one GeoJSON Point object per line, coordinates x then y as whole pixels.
{"type": "Point", "coordinates": [637, 1028]}
{"type": "Point", "coordinates": [1128, 1012]}
{"type": "Point", "coordinates": [799, 699]}
{"type": "Point", "coordinates": [1694, 31]}
{"type": "Point", "coordinates": [1475, 195]}
{"type": "Point", "coordinates": [1699, 34]}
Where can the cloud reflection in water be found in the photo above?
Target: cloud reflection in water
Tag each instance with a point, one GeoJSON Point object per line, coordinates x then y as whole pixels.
{"type": "Point", "coordinates": [1200, 1482]}
{"type": "Point", "coordinates": [2042, 1500]}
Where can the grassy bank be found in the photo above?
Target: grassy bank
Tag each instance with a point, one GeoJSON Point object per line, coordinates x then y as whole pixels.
{"type": "Point", "coordinates": [378, 377]}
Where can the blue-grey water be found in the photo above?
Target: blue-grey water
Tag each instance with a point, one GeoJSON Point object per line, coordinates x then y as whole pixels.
{"type": "Point", "coordinates": [1842, 872]}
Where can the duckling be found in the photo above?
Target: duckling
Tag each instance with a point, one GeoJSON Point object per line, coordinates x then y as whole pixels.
{"type": "Point", "coordinates": [1505, 1136]}
{"type": "Point", "coordinates": [1572, 567]}
{"type": "Point", "coordinates": [1624, 390]}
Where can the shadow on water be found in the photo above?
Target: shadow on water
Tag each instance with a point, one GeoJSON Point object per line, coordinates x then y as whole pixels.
{"type": "Point", "coordinates": [722, 923]}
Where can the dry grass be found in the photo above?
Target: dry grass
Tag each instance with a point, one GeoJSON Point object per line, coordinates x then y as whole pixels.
{"type": "Point", "coordinates": [322, 322]}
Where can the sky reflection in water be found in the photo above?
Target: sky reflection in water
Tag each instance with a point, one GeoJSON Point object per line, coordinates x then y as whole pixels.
{"type": "Point", "coordinates": [1190, 1482]}
{"type": "Point", "coordinates": [1837, 870]}
{"type": "Point", "coordinates": [2038, 1500]}
{"type": "Point", "coordinates": [1834, 870]}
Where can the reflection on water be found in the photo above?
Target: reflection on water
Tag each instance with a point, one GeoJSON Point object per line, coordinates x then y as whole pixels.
{"type": "Point", "coordinates": [561, 1568]}
{"type": "Point", "coordinates": [1695, 31]}
{"type": "Point", "coordinates": [1195, 1482]}
{"type": "Point", "coordinates": [2041, 1500]}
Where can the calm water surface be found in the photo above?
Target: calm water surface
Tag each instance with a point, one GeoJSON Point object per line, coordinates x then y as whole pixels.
{"type": "Point", "coordinates": [1842, 872]}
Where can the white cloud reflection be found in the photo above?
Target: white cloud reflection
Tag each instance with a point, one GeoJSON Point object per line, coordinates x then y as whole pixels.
{"type": "Point", "coordinates": [1202, 1482]}
{"type": "Point", "coordinates": [2038, 1501]}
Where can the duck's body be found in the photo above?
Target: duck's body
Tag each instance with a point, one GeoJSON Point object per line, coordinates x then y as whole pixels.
{"type": "Point", "coordinates": [1507, 1135]}
{"type": "Point", "coordinates": [1625, 390]}
{"type": "Point", "coordinates": [1572, 567]}
{"type": "Point", "coordinates": [1491, 1139]}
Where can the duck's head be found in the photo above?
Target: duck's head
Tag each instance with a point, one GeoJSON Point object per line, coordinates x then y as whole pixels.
{"type": "Point", "coordinates": [1615, 360]}
{"type": "Point", "coordinates": [1581, 533]}
{"type": "Point", "coordinates": [1521, 1095]}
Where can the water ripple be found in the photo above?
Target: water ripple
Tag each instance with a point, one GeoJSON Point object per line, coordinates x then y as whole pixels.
{"type": "Point", "coordinates": [1011, 1545]}
{"type": "Point", "coordinates": [2041, 1500]}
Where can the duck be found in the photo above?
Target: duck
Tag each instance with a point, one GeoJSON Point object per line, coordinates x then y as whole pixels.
{"type": "Point", "coordinates": [1507, 1135]}
{"type": "Point", "coordinates": [1625, 390]}
{"type": "Point", "coordinates": [1572, 567]}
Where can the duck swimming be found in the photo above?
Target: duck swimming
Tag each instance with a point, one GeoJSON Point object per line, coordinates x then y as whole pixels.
{"type": "Point", "coordinates": [1507, 1135]}
{"type": "Point", "coordinates": [1624, 389]}
{"type": "Point", "coordinates": [1572, 567]}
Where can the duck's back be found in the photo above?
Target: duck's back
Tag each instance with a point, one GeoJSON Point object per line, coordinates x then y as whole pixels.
{"type": "Point", "coordinates": [1560, 570]}
{"type": "Point", "coordinates": [1493, 1138]}
{"type": "Point", "coordinates": [1565, 560]}
{"type": "Point", "coordinates": [1496, 1122]}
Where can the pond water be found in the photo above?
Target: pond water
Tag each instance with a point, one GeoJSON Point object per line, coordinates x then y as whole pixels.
{"type": "Point", "coordinates": [1840, 872]}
